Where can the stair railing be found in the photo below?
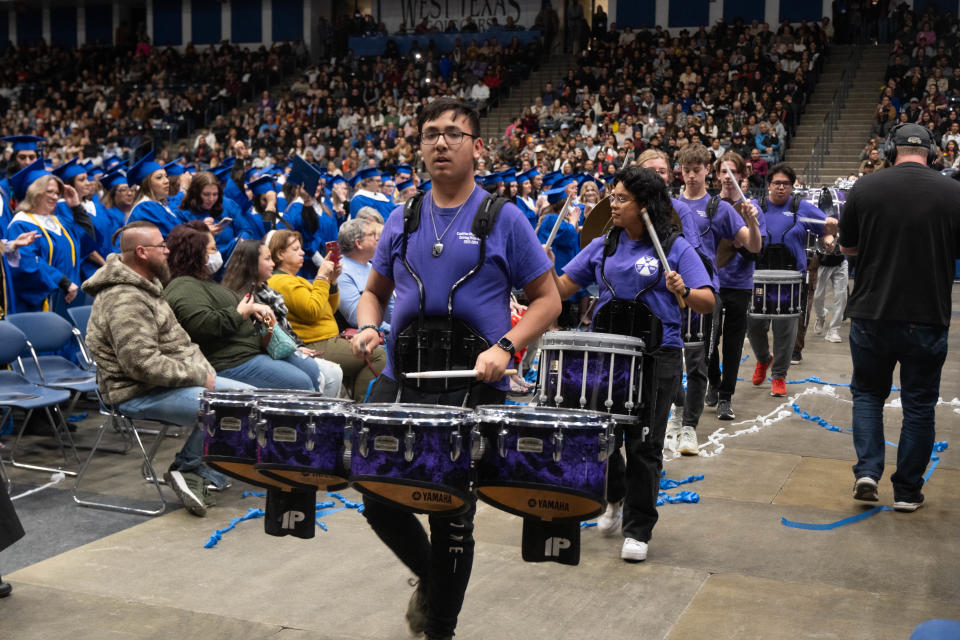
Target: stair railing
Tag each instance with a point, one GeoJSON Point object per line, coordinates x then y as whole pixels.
{"type": "Point", "coordinates": [821, 146]}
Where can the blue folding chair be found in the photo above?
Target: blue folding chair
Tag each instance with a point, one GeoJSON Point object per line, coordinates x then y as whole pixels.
{"type": "Point", "coordinates": [17, 392]}
{"type": "Point", "coordinates": [47, 332]}
{"type": "Point", "coordinates": [80, 317]}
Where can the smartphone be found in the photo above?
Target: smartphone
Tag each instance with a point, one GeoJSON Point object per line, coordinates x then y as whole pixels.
{"type": "Point", "coordinates": [333, 251]}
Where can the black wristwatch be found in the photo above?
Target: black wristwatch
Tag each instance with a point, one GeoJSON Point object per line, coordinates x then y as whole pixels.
{"type": "Point", "coordinates": [686, 292]}
{"type": "Point", "coordinates": [507, 345]}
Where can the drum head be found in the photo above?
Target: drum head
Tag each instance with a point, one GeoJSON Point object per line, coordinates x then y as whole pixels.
{"type": "Point", "coordinates": [413, 413]}
{"type": "Point", "coordinates": [541, 416]}
{"type": "Point", "coordinates": [591, 341]}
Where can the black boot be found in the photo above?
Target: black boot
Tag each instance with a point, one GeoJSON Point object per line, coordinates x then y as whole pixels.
{"type": "Point", "coordinates": [5, 588]}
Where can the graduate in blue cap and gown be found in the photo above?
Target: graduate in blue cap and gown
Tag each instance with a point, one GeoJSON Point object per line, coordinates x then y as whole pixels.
{"type": "Point", "coordinates": [316, 228]}
{"type": "Point", "coordinates": [179, 182]}
{"type": "Point", "coordinates": [154, 188]}
{"type": "Point", "coordinates": [25, 151]}
{"type": "Point", "coordinates": [205, 201]}
{"type": "Point", "coordinates": [93, 250]}
{"type": "Point", "coordinates": [263, 215]}
{"type": "Point", "coordinates": [339, 199]}
{"type": "Point", "coordinates": [526, 195]}
{"type": "Point", "coordinates": [118, 197]}
{"type": "Point", "coordinates": [48, 274]}
{"type": "Point", "coordinates": [405, 190]}
{"type": "Point", "coordinates": [369, 194]}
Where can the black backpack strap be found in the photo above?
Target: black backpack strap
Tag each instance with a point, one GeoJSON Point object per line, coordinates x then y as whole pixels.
{"type": "Point", "coordinates": [712, 205]}
{"type": "Point", "coordinates": [411, 212]}
{"type": "Point", "coordinates": [611, 240]}
{"type": "Point", "coordinates": [795, 201]}
{"type": "Point", "coordinates": [487, 214]}
{"type": "Point", "coordinates": [764, 203]}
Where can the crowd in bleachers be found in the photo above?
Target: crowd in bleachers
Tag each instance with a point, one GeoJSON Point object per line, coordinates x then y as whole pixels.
{"type": "Point", "coordinates": [921, 85]}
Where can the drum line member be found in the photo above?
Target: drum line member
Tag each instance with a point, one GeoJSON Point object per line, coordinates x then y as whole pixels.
{"type": "Point", "coordinates": [832, 272]}
{"type": "Point", "coordinates": [904, 227]}
{"type": "Point", "coordinates": [725, 222]}
{"type": "Point", "coordinates": [441, 249]}
{"type": "Point", "coordinates": [633, 273]}
{"type": "Point", "coordinates": [785, 246]}
{"type": "Point", "coordinates": [147, 365]}
{"type": "Point", "coordinates": [736, 290]}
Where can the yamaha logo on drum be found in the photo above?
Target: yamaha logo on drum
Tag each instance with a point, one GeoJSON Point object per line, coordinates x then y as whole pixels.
{"type": "Point", "coordinates": [549, 505]}
{"type": "Point", "coordinates": [439, 497]}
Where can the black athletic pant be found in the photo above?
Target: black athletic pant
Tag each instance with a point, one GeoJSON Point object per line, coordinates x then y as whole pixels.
{"type": "Point", "coordinates": [444, 561]}
{"type": "Point", "coordinates": [730, 332]}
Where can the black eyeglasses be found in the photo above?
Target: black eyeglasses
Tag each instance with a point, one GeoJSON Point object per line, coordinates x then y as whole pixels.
{"type": "Point", "coordinates": [452, 137]}
{"type": "Point", "coordinates": [162, 245]}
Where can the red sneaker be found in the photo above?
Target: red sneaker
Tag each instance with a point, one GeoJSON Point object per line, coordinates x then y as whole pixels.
{"type": "Point", "coordinates": [760, 372]}
{"type": "Point", "coordinates": [779, 388]}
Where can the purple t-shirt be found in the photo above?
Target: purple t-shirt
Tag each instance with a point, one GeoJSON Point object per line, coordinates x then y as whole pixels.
{"type": "Point", "coordinates": [514, 258]}
{"type": "Point", "coordinates": [688, 222]}
{"type": "Point", "coordinates": [634, 267]}
{"type": "Point", "coordinates": [782, 230]}
{"type": "Point", "coordinates": [726, 223]}
{"type": "Point", "coordinates": [738, 273]}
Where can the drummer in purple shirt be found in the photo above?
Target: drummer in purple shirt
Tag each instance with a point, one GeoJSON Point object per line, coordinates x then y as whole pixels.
{"type": "Point", "coordinates": [725, 223]}
{"type": "Point", "coordinates": [786, 235]}
{"type": "Point", "coordinates": [632, 274]}
{"type": "Point", "coordinates": [441, 250]}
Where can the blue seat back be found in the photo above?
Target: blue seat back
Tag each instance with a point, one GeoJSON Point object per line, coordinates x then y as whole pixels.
{"type": "Point", "coordinates": [46, 331]}
{"type": "Point", "coordinates": [12, 342]}
{"type": "Point", "coordinates": [80, 316]}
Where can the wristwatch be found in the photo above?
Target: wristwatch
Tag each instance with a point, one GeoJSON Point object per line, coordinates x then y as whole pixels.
{"type": "Point", "coordinates": [686, 290]}
{"type": "Point", "coordinates": [507, 345]}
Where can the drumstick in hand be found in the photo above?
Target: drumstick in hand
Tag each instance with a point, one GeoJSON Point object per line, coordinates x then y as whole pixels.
{"type": "Point", "coordinates": [659, 249]}
{"type": "Point", "coordinates": [456, 373]}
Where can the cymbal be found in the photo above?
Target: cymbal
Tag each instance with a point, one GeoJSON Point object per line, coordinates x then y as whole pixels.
{"type": "Point", "coordinates": [597, 223]}
{"type": "Point", "coordinates": [725, 252]}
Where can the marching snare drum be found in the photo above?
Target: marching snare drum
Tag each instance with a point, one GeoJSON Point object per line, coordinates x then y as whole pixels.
{"type": "Point", "coordinates": [301, 442]}
{"type": "Point", "coordinates": [694, 329]}
{"type": "Point", "coordinates": [416, 457]}
{"type": "Point", "coordinates": [776, 294]}
{"type": "Point", "coordinates": [543, 462]}
{"type": "Point", "coordinates": [229, 422]}
{"type": "Point", "coordinates": [595, 371]}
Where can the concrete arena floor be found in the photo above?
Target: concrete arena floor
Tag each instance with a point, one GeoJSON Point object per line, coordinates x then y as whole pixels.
{"type": "Point", "coordinates": [723, 568]}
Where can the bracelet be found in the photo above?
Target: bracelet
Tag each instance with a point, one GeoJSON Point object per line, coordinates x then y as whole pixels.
{"type": "Point", "coordinates": [370, 326]}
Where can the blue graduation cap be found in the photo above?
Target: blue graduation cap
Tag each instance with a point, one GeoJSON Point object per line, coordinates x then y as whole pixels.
{"type": "Point", "coordinates": [303, 173]}
{"type": "Point", "coordinates": [558, 194]}
{"type": "Point", "coordinates": [550, 178]}
{"type": "Point", "coordinates": [24, 143]}
{"type": "Point", "coordinates": [369, 172]}
{"type": "Point", "coordinates": [386, 177]}
{"type": "Point", "coordinates": [426, 186]}
{"type": "Point", "coordinates": [528, 175]}
{"type": "Point", "coordinates": [113, 179]}
{"type": "Point", "coordinates": [494, 178]}
{"type": "Point", "coordinates": [93, 170]}
{"type": "Point", "coordinates": [142, 170]}
{"type": "Point", "coordinates": [509, 176]}
{"type": "Point", "coordinates": [174, 168]}
{"type": "Point", "coordinates": [221, 172]}
{"type": "Point", "coordinates": [69, 170]}
{"type": "Point", "coordinates": [559, 183]}
{"type": "Point", "coordinates": [406, 184]}
{"type": "Point", "coordinates": [111, 163]}
{"type": "Point", "coordinates": [586, 177]}
{"type": "Point", "coordinates": [190, 168]}
{"type": "Point", "coordinates": [21, 180]}
{"type": "Point", "coordinates": [261, 185]}
{"type": "Point", "coordinates": [403, 169]}
{"type": "Point", "coordinates": [48, 163]}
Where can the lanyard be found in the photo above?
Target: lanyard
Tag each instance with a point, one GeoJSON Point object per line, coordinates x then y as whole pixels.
{"type": "Point", "coordinates": [73, 248]}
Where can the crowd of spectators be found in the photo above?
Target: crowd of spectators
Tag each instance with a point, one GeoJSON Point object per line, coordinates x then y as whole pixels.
{"type": "Point", "coordinates": [921, 85]}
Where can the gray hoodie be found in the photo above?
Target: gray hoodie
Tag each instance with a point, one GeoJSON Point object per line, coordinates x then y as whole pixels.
{"type": "Point", "coordinates": [134, 336]}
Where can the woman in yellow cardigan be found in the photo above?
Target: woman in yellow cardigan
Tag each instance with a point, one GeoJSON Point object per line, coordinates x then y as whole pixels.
{"type": "Point", "coordinates": [311, 306]}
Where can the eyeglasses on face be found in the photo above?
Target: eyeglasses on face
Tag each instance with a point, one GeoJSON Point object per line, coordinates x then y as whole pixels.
{"type": "Point", "coordinates": [452, 137]}
{"type": "Point", "coordinates": [782, 184]}
{"type": "Point", "coordinates": [162, 245]}
{"type": "Point", "coordinates": [622, 198]}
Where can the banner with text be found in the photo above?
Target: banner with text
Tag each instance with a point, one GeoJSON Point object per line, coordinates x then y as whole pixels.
{"type": "Point", "coordinates": [439, 13]}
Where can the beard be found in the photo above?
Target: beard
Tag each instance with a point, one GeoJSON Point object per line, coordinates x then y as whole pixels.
{"type": "Point", "coordinates": [160, 270]}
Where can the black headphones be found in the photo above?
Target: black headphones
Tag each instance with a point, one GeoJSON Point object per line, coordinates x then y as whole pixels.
{"type": "Point", "coordinates": [911, 134]}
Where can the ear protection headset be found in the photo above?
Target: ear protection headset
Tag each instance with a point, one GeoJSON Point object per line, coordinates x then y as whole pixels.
{"type": "Point", "coordinates": [909, 133]}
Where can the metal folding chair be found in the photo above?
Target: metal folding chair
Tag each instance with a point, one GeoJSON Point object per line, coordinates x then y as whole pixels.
{"type": "Point", "coordinates": [17, 392]}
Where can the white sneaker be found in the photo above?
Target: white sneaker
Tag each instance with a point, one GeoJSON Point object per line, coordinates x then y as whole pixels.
{"type": "Point", "coordinates": [818, 326]}
{"type": "Point", "coordinates": [687, 444]}
{"type": "Point", "coordinates": [633, 550]}
{"type": "Point", "coordinates": [609, 521]}
{"type": "Point", "coordinates": [833, 336]}
{"type": "Point", "coordinates": [673, 430]}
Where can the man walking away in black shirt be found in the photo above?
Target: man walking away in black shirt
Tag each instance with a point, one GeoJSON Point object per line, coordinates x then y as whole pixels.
{"type": "Point", "coordinates": [904, 227]}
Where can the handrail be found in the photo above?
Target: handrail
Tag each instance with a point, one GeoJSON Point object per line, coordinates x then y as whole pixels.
{"type": "Point", "coordinates": [821, 146]}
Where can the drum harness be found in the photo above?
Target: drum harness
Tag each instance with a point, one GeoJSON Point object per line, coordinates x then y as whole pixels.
{"type": "Point", "coordinates": [442, 342]}
{"type": "Point", "coordinates": [776, 255]}
{"type": "Point", "coordinates": [834, 258]}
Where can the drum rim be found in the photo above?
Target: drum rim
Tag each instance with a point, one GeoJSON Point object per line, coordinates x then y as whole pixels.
{"type": "Point", "coordinates": [777, 276]}
{"type": "Point", "coordinates": [601, 417]}
{"type": "Point", "coordinates": [592, 335]}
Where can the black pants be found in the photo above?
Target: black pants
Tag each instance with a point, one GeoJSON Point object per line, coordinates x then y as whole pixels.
{"type": "Point", "coordinates": [444, 561]}
{"type": "Point", "coordinates": [636, 480]}
{"type": "Point", "coordinates": [730, 332]}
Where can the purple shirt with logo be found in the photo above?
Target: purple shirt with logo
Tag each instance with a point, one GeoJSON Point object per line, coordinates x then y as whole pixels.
{"type": "Point", "coordinates": [782, 230]}
{"type": "Point", "coordinates": [514, 258]}
{"type": "Point", "coordinates": [726, 223]}
{"type": "Point", "coordinates": [634, 267]}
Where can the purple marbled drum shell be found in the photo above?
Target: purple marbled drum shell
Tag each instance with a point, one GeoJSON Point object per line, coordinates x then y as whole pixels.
{"type": "Point", "coordinates": [326, 454]}
{"type": "Point", "coordinates": [238, 444]}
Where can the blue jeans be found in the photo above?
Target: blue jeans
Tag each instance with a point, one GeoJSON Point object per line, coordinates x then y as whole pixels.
{"type": "Point", "coordinates": [179, 406]}
{"type": "Point", "coordinates": [264, 372]}
{"type": "Point", "coordinates": [328, 375]}
{"type": "Point", "coordinates": [876, 347]}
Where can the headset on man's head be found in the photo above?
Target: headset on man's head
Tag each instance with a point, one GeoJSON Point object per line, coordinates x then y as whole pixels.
{"type": "Point", "coordinates": [918, 136]}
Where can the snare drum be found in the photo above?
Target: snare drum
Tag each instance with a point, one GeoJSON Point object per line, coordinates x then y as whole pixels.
{"type": "Point", "coordinates": [541, 462]}
{"type": "Point", "coordinates": [416, 457]}
{"type": "Point", "coordinates": [229, 422]}
{"type": "Point", "coordinates": [301, 441]}
{"type": "Point", "coordinates": [595, 371]}
{"type": "Point", "coordinates": [694, 329]}
{"type": "Point", "coordinates": [776, 294]}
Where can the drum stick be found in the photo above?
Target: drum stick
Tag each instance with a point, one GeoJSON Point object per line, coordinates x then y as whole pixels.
{"type": "Point", "coordinates": [659, 249]}
{"type": "Point", "coordinates": [556, 225]}
{"type": "Point", "coordinates": [743, 198]}
{"type": "Point", "coordinates": [811, 220]}
{"type": "Point", "coordinates": [457, 373]}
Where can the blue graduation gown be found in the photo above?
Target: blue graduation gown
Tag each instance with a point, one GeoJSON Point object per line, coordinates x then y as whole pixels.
{"type": "Point", "coordinates": [566, 244]}
{"type": "Point", "coordinates": [312, 242]}
{"type": "Point", "coordinates": [43, 264]}
{"type": "Point", "coordinates": [7, 294]}
{"type": "Point", "coordinates": [164, 217]}
{"type": "Point", "coordinates": [104, 225]}
{"type": "Point", "coordinates": [362, 200]}
{"type": "Point", "coordinates": [227, 238]}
